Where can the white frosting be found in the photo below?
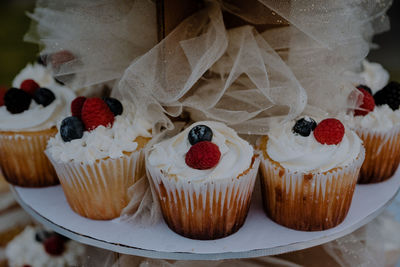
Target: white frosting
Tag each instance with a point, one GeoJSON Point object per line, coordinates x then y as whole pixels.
{"type": "Point", "coordinates": [374, 75]}
{"type": "Point", "coordinates": [38, 73]}
{"type": "Point", "coordinates": [304, 154]}
{"type": "Point", "coordinates": [103, 142]}
{"type": "Point", "coordinates": [25, 250]}
{"type": "Point", "coordinates": [381, 119]}
{"type": "Point", "coordinates": [236, 155]}
{"type": "Point", "coordinates": [38, 117]}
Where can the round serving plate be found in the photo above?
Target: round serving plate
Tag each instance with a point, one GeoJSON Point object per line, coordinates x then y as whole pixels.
{"type": "Point", "coordinates": [259, 236]}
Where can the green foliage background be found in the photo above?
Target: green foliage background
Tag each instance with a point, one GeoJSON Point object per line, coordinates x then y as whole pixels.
{"type": "Point", "coordinates": [14, 52]}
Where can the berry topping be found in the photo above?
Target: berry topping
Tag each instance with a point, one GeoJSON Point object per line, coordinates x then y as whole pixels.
{"type": "Point", "coordinates": [329, 132]}
{"type": "Point", "coordinates": [366, 88]}
{"type": "Point", "coordinates": [42, 235]}
{"type": "Point", "coordinates": [42, 60]}
{"type": "Point", "coordinates": [114, 105]}
{"type": "Point", "coordinates": [44, 96]}
{"type": "Point", "coordinates": [200, 133]}
{"type": "Point", "coordinates": [368, 103]}
{"type": "Point", "coordinates": [203, 155]}
{"type": "Point", "coordinates": [54, 245]}
{"type": "Point", "coordinates": [3, 91]}
{"type": "Point", "coordinates": [71, 128]}
{"type": "Point", "coordinates": [304, 126]}
{"type": "Point", "coordinates": [61, 57]}
{"type": "Point", "coordinates": [17, 101]}
{"type": "Point", "coordinates": [389, 95]}
{"type": "Point", "coordinates": [76, 106]}
{"type": "Point", "coordinates": [95, 112]}
{"type": "Point", "coordinates": [29, 86]}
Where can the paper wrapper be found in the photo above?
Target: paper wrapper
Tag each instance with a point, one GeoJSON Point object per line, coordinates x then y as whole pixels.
{"type": "Point", "coordinates": [382, 155]}
{"type": "Point", "coordinates": [208, 209]}
{"type": "Point", "coordinates": [22, 158]}
{"type": "Point", "coordinates": [100, 190]}
{"type": "Point", "coordinates": [307, 201]}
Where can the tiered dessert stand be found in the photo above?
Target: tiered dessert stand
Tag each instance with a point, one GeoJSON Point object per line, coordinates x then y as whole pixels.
{"type": "Point", "coordinates": [258, 237]}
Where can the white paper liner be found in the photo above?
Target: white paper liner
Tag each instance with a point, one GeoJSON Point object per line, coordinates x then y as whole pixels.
{"type": "Point", "coordinates": [207, 209]}
{"type": "Point", "coordinates": [23, 161]}
{"type": "Point", "coordinates": [308, 200]}
{"type": "Point", "coordinates": [100, 190]}
{"type": "Point", "coordinates": [382, 154]}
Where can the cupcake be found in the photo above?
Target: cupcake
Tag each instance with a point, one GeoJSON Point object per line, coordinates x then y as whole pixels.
{"type": "Point", "coordinates": [97, 155]}
{"type": "Point", "coordinates": [38, 247]}
{"type": "Point", "coordinates": [308, 172]}
{"type": "Point", "coordinates": [28, 116]}
{"type": "Point", "coordinates": [377, 122]}
{"type": "Point", "coordinates": [204, 179]}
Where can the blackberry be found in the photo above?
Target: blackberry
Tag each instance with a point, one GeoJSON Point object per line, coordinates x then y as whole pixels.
{"type": "Point", "coordinates": [44, 96]}
{"type": "Point", "coordinates": [71, 128]}
{"type": "Point", "coordinates": [200, 133]}
{"type": "Point", "coordinates": [304, 126]}
{"type": "Point", "coordinates": [389, 95]}
{"type": "Point", "coordinates": [17, 100]}
{"type": "Point", "coordinates": [114, 105]}
{"type": "Point", "coordinates": [42, 235]}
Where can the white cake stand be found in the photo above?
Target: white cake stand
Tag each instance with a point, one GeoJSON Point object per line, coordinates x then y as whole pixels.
{"type": "Point", "coordinates": [258, 237]}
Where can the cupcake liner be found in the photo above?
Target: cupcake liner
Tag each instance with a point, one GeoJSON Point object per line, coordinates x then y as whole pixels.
{"type": "Point", "coordinates": [23, 161]}
{"type": "Point", "coordinates": [206, 209]}
{"type": "Point", "coordinates": [382, 156]}
{"type": "Point", "coordinates": [308, 201]}
{"type": "Point", "coordinates": [100, 190]}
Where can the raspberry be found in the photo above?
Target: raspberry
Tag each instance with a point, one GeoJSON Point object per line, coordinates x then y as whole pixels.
{"type": "Point", "coordinates": [29, 86]}
{"type": "Point", "coordinates": [3, 91]}
{"type": "Point", "coordinates": [366, 88]}
{"type": "Point", "coordinates": [76, 106]}
{"type": "Point", "coordinates": [61, 57]}
{"type": "Point", "coordinates": [203, 155]}
{"type": "Point", "coordinates": [329, 132]}
{"type": "Point", "coordinates": [54, 245]}
{"type": "Point", "coordinates": [368, 103]}
{"type": "Point", "coordinates": [95, 112]}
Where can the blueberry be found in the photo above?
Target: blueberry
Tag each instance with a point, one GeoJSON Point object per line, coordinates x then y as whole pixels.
{"type": "Point", "coordinates": [42, 60]}
{"type": "Point", "coordinates": [114, 105]}
{"type": "Point", "coordinates": [17, 100]}
{"type": "Point", "coordinates": [42, 235]}
{"type": "Point", "coordinates": [71, 128]}
{"type": "Point", "coordinates": [304, 126]}
{"type": "Point", "coordinates": [200, 133]}
{"type": "Point", "coordinates": [366, 88]}
{"type": "Point", "coordinates": [389, 95]}
{"type": "Point", "coordinates": [44, 96]}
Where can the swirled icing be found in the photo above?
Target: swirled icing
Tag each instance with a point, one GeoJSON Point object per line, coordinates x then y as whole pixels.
{"type": "Point", "coordinates": [374, 75]}
{"type": "Point", "coordinates": [25, 250]}
{"type": "Point", "coordinates": [381, 119]}
{"type": "Point", "coordinates": [38, 117]}
{"type": "Point", "coordinates": [303, 154]}
{"type": "Point", "coordinates": [236, 155]}
{"type": "Point", "coordinates": [102, 142]}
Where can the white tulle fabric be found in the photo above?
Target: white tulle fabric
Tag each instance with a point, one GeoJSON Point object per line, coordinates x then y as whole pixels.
{"type": "Point", "coordinates": [240, 76]}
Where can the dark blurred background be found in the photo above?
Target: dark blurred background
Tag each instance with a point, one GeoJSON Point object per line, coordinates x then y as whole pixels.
{"type": "Point", "coordinates": [14, 53]}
